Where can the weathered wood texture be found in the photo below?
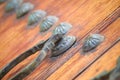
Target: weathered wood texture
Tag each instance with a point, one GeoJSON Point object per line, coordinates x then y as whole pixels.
{"type": "Point", "coordinates": [106, 62]}
{"type": "Point", "coordinates": [86, 16]}
{"type": "Point", "coordinates": [79, 62]}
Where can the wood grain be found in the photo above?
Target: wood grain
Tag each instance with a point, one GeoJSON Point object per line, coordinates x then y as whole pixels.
{"type": "Point", "coordinates": [78, 62]}
{"type": "Point", "coordinates": [84, 15]}
{"type": "Point", "coordinates": [50, 68]}
{"type": "Point", "coordinates": [106, 62]}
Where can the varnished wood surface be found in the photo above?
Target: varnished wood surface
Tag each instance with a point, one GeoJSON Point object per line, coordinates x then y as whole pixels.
{"type": "Point", "coordinates": [86, 16]}
{"type": "Point", "coordinates": [109, 59]}
{"type": "Point", "coordinates": [80, 62]}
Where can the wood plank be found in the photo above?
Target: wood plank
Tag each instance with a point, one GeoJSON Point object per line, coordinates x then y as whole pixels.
{"type": "Point", "coordinates": [106, 62]}
{"type": "Point", "coordinates": [54, 63]}
{"type": "Point", "coordinates": [15, 38]}
{"type": "Point", "coordinates": [78, 62]}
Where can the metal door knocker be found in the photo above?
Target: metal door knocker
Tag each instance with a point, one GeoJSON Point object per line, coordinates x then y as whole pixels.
{"type": "Point", "coordinates": [55, 45]}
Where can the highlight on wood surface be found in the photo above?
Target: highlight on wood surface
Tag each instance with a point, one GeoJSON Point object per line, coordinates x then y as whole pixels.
{"type": "Point", "coordinates": [91, 42]}
{"type": "Point", "coordinates": [62, 28]}
{"type": "Point", "coordinates": [114, 74]}
{"type": "Point", "coordinates": [47, 23]}
{"type": "Point", "coordinates": [36, 16]}
{"type": "Point", "coordinates": [48, 46]}
{"type": "Point", "coordinates": [12, 5]}
{"type": "Point", "coordinates": [63, 45]}
{"type": "Point", "coordinates": [24, 9]}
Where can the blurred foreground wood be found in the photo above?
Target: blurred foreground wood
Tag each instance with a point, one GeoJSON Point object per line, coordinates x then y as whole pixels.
{"type": "Point", "coordinates": [86, 16]}
{"type": "Point", "coordinates": [105, 62]}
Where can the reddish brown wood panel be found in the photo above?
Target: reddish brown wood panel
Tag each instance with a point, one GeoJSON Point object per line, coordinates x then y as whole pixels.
{"type": "Point", "coordinates": [84, 15]}
{"type": "Point", "coordinates": [106, 62]}
{"type": "Point", "coordinates": [78, 62]}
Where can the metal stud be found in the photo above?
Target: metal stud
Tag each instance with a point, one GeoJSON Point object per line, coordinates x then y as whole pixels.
{"type": "Point", "coordinates": [92, 41]}
{"type": "Point", "coordinates": [63, 45]}
{"type": "Point", "coordinates": [62, 28]}
{"type": "Point", "coordinates": [12, 5]}
{"type": "Point", "coordinates": [24, 9]}
{"type": "Point", "coordinates": [36, 16]}
{"type": "Point", "coordinates": [2, 1]}
{"type": "Point", "coordinates": [47, 23]}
